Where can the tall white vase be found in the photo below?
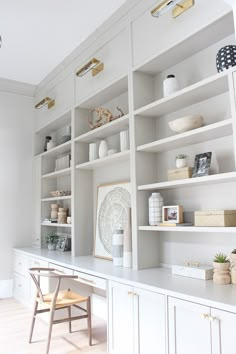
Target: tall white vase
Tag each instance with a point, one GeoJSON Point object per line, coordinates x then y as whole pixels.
{"type": "Point", "coordinates": [92, 151]}
{"type": "Point", "coordinates": [127, 261]}
{"type": "Point", "coordinates": [124, 140]}
{"type": "Point", "coordinates": [118, 247]}
{"type": "Point", "coordinates": [155, 203]}
{"type": "Point", "coordinates": [103, 149]}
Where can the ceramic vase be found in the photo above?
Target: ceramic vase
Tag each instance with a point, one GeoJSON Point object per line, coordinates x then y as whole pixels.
{"type": "Point", "coordinates": [54, 211]}
{"type": "Point", "coordinates": [103, 149]}
{"type": "Point", "coordinates": [50, 145]}
{"type": "Point", "coordinates": [233, 268]}
{"type": "Point", "coordinates": [127, 258]}
{"type": "Point", "coordinates": [155, 203]}
{"type": "Point", "coordinates": [62, 216]}
{"type": "Point", "coordinates": [226, 58]}
{"type": "Point", "coordinates": [221, 273]}
{"type": "Point", "coordinates": [170, 85]}
{"type": "Point", "coordinates": [181, 163]}
{"type": "Point", "coordinates": [118, 247]}
{"type": "Point", "coordinates": [93, 152]}
{"type": "Point", "coordinates": [51, 246]}
{"type": "Point", "coordinates": [124, 140]}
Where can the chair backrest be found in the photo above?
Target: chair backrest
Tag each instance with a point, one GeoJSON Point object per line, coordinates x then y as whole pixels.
{"type": "Point", "coordinates": [37, 273]}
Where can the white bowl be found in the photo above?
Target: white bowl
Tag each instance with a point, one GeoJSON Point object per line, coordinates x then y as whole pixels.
{"type": "Point", "coordinates": [187, 123]}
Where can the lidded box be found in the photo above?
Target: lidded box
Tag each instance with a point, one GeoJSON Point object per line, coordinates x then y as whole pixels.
{"type": "Point", "coordinates": [222, 218]}
{"type": "Point", "coordinates": [180, 173]}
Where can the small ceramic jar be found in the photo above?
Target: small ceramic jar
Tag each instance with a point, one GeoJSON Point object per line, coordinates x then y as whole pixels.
{"type": "Point", "coordinates": [54, 211]}
{"type": "Point", "coordinates": [181, 163]}
{"type": "Point", "coordinates": [62, 216]}
{"type": "Point", "coordinates": [50, 145]}
{"type": "Point", "coordinates": [170, 85]}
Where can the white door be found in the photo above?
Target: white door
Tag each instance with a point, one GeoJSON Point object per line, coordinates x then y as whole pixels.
{"type": "Point", "coordinates": [120, 329]}
{"type": "Point", "coordinates": [189, 328]}
{"type": "Point", "coordinates": [149, 322]}
{"type": "Point", "coordinates": [223, 332]}
{"type": "Point", "coordinates": [37, 201]}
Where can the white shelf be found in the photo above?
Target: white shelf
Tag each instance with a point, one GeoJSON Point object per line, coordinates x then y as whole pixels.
{"type": "Point", "coordinates": [197, 181]}
{"type": "Point", "coordinates": [105, 131]}
{"type": "Point", "coordinates": [189, 229]}
{"type": "Point", "coordinates": [61, 173]}
{"type": "Point", "coordinates": [59, 149]}
{"type": "Point", "coordinates": [56, 225]}
{"type": "Point", "coordinates": [57, 123]}
{"type": "Point", "coordinates": [188, 96]}
{"type": "Point", "coordinates": [91, 165]}
{"type": "Point", "coordinates": [67, 197]}
{"type": "Point", "coordinates": [209, 132]}
{"type": "Point", "coordinates": [113, 89]}
{"type": "Point", "coordinates": [190, 45]}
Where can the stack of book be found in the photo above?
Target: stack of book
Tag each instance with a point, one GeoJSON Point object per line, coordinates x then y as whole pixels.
{"type": "Point", "coordinates": [62, 162]}
{"type": "Point", "coordinates": [175, 225]}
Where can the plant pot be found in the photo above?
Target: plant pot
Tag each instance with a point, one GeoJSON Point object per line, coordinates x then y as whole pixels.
{"type": "Point", "coordinates": [51, 246]}
{"type": "Point", "coordinates": [221, 273]}
{"type": "Point", "coordinates": [181, 163]}
{"type": "Point", "coordinates": [233, 268]}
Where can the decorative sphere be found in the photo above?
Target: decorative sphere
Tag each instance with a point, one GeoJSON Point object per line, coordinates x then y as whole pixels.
{"type": "Point", "coordinates": [226, 58]}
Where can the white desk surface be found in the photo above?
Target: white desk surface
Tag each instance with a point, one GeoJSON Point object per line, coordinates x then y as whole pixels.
{"type": "Point", "coordinates": [157, 279]}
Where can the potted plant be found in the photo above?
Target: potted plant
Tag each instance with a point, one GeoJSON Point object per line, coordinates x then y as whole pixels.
{"type": "Point", "coordinates": [51, 240]}
{"type": "Point", "coordinates": [221, 266]}
{"type": "Point", "coordinates": [233, 266]}
{"type": "Point", "coordinates": [181, 161]}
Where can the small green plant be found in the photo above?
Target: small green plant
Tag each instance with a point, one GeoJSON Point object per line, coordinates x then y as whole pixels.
{"type": "Point", "coordinates": [181, 156]}
{"type": "Point", "coordinates": [234, 251]}
{"type": "Point", "coordinates": [221, 258]}
{"type": "Point", "coordinates": [52, 237]}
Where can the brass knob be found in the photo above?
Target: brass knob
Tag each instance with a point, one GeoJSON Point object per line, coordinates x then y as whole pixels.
{"type": "Point", "coordinates": [204, 316]}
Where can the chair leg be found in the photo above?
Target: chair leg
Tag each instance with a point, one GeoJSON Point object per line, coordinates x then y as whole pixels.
{"type": "Point", "coordinates": [69, 316]}
{"type": "Point", "coordinates": [50, 329]}
{"type": "Point", "coordinates": [33, 321]}
{"type": "Point", "coordinates": [89, 321]}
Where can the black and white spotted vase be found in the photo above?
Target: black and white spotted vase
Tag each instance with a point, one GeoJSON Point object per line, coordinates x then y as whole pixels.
{"type": "Point", "coordinates": [226, 58]}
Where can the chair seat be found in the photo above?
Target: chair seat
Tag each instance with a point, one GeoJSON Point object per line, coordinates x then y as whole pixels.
{"type": "Point", "coordinates": [64, 298]}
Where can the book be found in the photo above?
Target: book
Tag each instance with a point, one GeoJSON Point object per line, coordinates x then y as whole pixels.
{"type": "Point", "coordinates": [175, 225]}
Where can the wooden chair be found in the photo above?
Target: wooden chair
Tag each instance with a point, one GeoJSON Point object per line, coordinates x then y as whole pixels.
{"type": "Point", "coordinates": [60, 299]}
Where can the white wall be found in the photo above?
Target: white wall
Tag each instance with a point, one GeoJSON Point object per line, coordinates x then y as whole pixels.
{"type": "Point", "coordinates": [16, 119]}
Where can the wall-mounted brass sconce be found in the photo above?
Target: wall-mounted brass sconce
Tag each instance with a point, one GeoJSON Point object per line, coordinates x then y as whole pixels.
{"type": "Point", "coordinates": [177, 6]}
{"type": "Point", "coordinates": [94, 64]}
{"type": "Point", "coordinates": [46, 101]}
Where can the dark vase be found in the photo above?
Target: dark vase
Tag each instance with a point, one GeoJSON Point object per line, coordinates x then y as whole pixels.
{"type": "Point", "coordinates": [226, 58]}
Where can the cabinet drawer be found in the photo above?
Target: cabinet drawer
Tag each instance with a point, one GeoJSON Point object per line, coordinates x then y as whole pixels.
{"type": "Point", "coordinates": [21, 264]}
{"type": "Point", "coordinates": [60, 269]}
{"type": "Point", "coordinates": [91, 280]}
{"type": "Point", "coordinates": [38, 263]}
{"type": "Point", "coordinates": [21, 287]}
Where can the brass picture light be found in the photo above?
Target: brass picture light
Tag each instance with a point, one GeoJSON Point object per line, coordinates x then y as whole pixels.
{"type": "Point", "coordinates": [94, 64]}
{"type": "Point", "coordinates": [46, 101]}
{"type": "Point", "coordinates": [177, 6]}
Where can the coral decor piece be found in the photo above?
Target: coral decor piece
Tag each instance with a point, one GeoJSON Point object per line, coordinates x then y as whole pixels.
{"type": "Point", "coordinates": [104, 116]}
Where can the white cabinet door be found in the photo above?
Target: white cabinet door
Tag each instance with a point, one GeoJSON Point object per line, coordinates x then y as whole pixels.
{"type": "Point", "coordinates": [37, 201]}
{"type": "Point", "coordinates": [189, 331]}
{"type": "Point", "coordinates": [223, 332]}
{"type": "Point", "coordinates": [120, 330]}
{"type": "Point", "coordinates": [149, 322]}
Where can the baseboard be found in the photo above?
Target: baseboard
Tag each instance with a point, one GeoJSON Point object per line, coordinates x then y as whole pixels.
{"type": "Point", "coordinates": [6, 288]}
{"type": "Point", "coordinates": [99, 306]}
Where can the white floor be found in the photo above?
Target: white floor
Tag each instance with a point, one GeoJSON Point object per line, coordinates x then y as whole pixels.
{"type": "Point", "coordinates": [14, 330]}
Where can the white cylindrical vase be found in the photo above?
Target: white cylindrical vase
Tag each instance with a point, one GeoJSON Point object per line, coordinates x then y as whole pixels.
{"type": "Point", "coordinates": [103, 149]}
{"type": "Point", "coordinates": [170, 85]}
{"type": "Point", "coordinates": [93, 151]}
{"type": "Point", "coordinates": [118, 247]}
{"type": "Point", "coordinates": [155, 203]}
{"type": "Point", "coordinates": [124, 140]}
{"type": "Point", "coordinates": [127, 257]}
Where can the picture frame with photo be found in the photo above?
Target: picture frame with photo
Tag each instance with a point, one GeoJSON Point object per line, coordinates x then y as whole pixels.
{"type": "Point", "coordinates": [172, 214]}
{"type": "Point", "coordinates": [63, 243]}
{"type": "Point", "coordinates": [202, 164]}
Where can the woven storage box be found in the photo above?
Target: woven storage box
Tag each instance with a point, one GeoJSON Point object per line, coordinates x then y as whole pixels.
{"type": "Point", "coordinates": [215, 218]}
{"type": "Point", "coordinates": [198, 271]}
{"type": "Point", "coordinates": [180, 173]}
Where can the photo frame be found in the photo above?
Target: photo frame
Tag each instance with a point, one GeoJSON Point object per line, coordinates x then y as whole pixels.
{"type": "Point", "coordinates": [172, 214]}
{"type": "Point", "coordinates": [113, 203]}
{"type": "Point", "coordinates": [202, 164]}
{"type": "Point", "coordinates": [64, 243]}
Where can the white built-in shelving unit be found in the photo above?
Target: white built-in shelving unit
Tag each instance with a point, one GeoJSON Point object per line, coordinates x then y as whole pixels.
{"type": "Point", "coordinates": [137, 89]}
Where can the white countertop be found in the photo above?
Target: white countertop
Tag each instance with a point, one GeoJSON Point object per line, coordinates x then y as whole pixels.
{"type": "Point", "coordinates": [157, 279]}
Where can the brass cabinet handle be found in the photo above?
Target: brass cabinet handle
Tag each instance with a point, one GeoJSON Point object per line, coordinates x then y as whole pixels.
{"type": "Point", "coordinates": [204, 316]}
{"type": "Point", "coordinates": [212, 318]}
{"type": "Point", "coordinates": [130, 293]}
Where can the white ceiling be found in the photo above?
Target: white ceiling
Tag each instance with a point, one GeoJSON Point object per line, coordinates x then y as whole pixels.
{"type": "Point", "coordinates": [38, 35]}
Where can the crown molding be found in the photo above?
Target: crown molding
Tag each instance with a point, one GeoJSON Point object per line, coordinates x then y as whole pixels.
{"type": "Point", "coordinates": [17, 88]}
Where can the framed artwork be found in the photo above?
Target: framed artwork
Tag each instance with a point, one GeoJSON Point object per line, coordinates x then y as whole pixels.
{"type": "Point", "coordinates": [202, 164]}
{"type": "Point", "coordinates": [113, 203]}
{"type": "Point", "coordinates": [64, 243]}
{"type": "Point", "coordinates": [173, 214]}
